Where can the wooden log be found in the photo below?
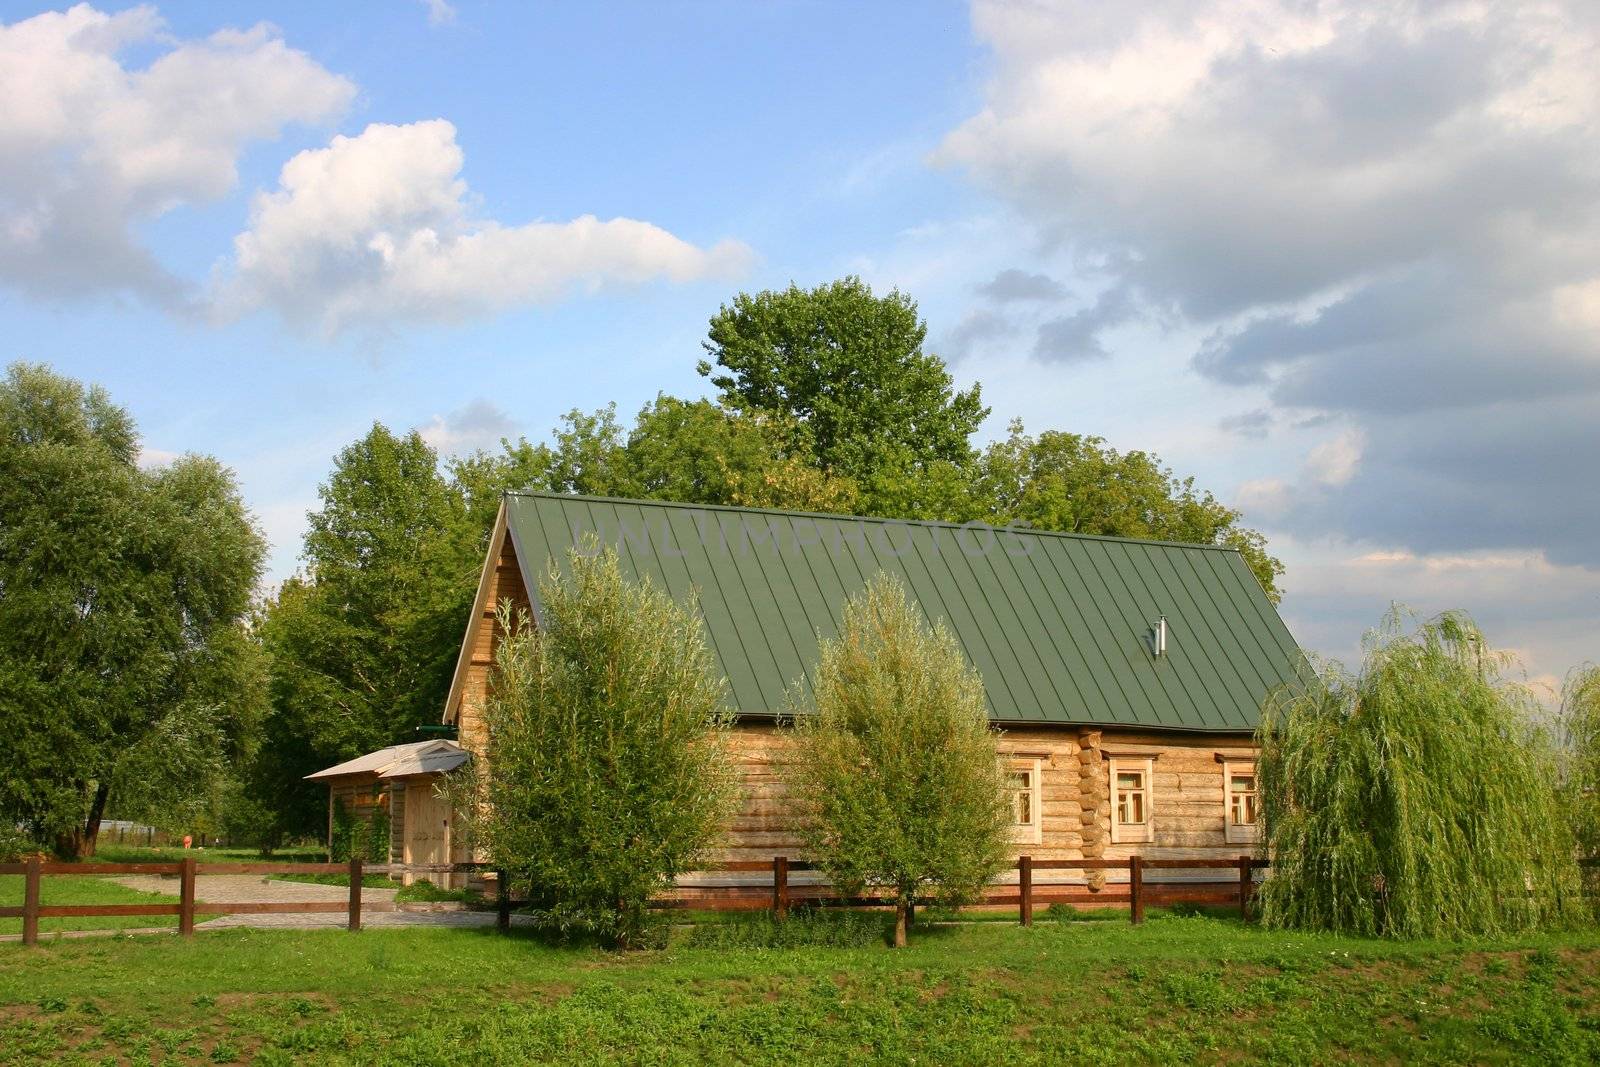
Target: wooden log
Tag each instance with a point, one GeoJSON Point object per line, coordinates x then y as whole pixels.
{"type": "Point", "coordinates": [355, 893]}
{"type": "Point", "coordinates": [59, 911]}
{"type": "Point", "coordinates": [1136, 888]}
{"type": "Point", "coordinates": [1025, 888]}
{"type": "Point", "coordinates": [1088, 863]}
{"type": "Point", "coordinates": [263, 868]}
{"type": "Point", "coordinates": [110, 868]}
{"type": "Point", "coordinates": [780, 887]}
{"type": "Point", "coordinates": [1197, 864]}
{"type": "Point", "coordinates": [13, 868]}
{"type": "Point", "coordinates": [186, 897]}
{"type": "Point", "coordinates": [30, 903]}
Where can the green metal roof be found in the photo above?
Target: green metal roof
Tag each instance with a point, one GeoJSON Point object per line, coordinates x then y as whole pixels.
{"type": "Point", "coordinates": [1059, 625]}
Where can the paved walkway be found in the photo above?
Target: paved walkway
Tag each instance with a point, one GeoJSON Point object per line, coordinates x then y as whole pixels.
{"type": "Point", "coordinates": [259, 888]}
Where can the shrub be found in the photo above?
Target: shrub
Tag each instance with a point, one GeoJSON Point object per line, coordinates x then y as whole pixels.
{"type": "Point", "coordinates": [1415, 799]}
{"type": "Point", "coordinates": [896, 768]}
{"type": "Point", "coordinates": [608, 771]}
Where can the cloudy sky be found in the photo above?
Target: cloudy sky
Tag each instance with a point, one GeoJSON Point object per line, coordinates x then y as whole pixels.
{"type": "Point", "coordinates": [1339, 261]}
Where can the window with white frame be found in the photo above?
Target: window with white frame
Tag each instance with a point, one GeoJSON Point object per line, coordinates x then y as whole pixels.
{"type": "Point", "coordinates": [1132, 793]}
{"type": "Point", "coordinates": [1239, 798]}
{"type": "Point", "coordinates": [1023, 790]}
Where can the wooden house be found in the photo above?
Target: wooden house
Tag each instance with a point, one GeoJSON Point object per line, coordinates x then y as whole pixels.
{"type": "Point", "coordinates": [1125, 677]}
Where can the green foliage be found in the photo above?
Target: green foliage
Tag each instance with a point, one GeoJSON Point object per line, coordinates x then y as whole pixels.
{"type": "Point", "coordinates": [849, 367]}
{"type": "Point", "coordinates": [896, 768]}
{"type": "Point", "coordinates": [349, 834]}
{"type": "Point", "coordinates": [357, 835]}
{"type": "Point", "coordinates": [1580, 720]}
{"type": "Point", "coordinates": [1415, 799]}
{"type": "Point", "coordinates": [802, 927]}
{"type": "Point", "coordinates": [609, 772]}
{"type": "Point", "coordinates": [691, 452]}
{"type": "Point", "coordinates": [125, 669]}
{"type": "Point", "coordinates": [1078, 484]}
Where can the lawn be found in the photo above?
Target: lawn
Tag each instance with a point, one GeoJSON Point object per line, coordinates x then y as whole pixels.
{"type": "Point", "coordinates": [82, 889]}
{"type": "Point", "coordinates": [1175, 989]}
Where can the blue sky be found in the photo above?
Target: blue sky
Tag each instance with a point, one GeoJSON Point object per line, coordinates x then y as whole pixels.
{"type": "Point", "coordinates": [1341, 265]}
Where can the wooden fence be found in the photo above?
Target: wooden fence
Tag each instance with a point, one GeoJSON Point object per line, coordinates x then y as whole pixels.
{"type": "Point", "coordinates": [779, 896]}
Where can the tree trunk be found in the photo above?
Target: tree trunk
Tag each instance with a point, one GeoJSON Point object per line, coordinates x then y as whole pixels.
{"type": "Point", "coordinates": [901, 911]}
{"type": "Point", "coordinates": [91, 827]}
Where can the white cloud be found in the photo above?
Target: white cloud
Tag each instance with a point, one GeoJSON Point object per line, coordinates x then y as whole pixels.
{"type": "Point", "coordinates": [374, 230]}
{"type": "Point", "coordinates": [154, 457]}
{"type": "Point", "coordinates": [1384, 213]}
{"type": "Point", "coordinates": [91, 148]}
{"type": "Point", "coordinates": [1265, 497]}
{"type": "Point", "coordinates": [1334, 462]}
{"type": "Point", "coordinates": [479, 424]}
{"type": "Point", "coordinates": [440, 12]}
{"type": "Point", "coordinates": [1526, 603]}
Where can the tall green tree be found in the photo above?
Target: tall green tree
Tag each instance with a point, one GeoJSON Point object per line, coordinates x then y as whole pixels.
{"type": "Point", "coordinates": [849, 367]}
{"type": "Point", "coordinates": [608, 770]}
{"type": "Point", "coordinates": [362, 643]}
{"type": "Point", "coordinates": [1416, 798]}
{"type": "Point", "coordinates": [896, 766]}
{"type": "Point", "coordinates": [125, 670]}
{"type": "Point", "coordinates": [1078, 484]}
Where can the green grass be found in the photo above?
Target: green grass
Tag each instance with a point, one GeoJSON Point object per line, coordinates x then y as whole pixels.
{"type": "Point", "coordinates": [82, 889]}
{"type": "Point", "coordinates": [1176, 989]}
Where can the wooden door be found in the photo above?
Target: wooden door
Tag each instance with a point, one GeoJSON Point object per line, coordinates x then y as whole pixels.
{"type": "Point", "coordinates": [427, 830]}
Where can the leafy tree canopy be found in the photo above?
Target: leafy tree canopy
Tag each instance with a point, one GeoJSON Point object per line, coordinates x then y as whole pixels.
{"type": "Point", "coordinates": [125, 669]}
{"type": "Point", "coordinates": [1078, 484]}
{"type": "Point", "coordinates": [848, 366]}
{"type": "Point", "coordinates": [896, 765]}
{"type": "Point", "coordinates": [608, 772]}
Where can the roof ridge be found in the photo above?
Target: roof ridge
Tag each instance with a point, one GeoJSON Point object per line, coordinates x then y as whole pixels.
{"type": "Point", "coordinates": [840, 516]}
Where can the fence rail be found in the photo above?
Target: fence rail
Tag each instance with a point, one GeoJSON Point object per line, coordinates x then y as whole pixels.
{"type": "Point", "coordinates": [779, 896]}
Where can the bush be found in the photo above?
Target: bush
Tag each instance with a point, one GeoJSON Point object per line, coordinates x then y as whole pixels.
{"type": "Point", "coordinates": [1415, 799]}
{"type": "Point", "coordinates": [897, 768]}
{"type": "Point", "coordinates": [608, 772]}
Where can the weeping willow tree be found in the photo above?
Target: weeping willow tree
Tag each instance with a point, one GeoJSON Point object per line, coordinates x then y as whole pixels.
{"type": "Point", "coordinates": [1415, 799]}
{"type": "Point", "coordinates": [1580, 718]}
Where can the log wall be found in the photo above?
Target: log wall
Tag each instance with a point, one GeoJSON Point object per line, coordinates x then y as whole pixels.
{"type": "Point", "coordinates": [1187, 807]}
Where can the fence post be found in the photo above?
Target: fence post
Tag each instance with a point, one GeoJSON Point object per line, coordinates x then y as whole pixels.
{"type": "Point", "coordinates": [1245, 886]}
{"type": "Point", "coordinates": [30, 902]}
{"type": "Point", "coordinates": [1025, 888]}
{"type": "Point", "coordinates": [780, 887]}
{"type": "Point", "coordinates": [1136, 888]}
{"type": "Point", "coordinates": [186, 897]}
{"type": "Point", "coordinates": [502, 901]}
{"type": "Point", "coordinates": [355, 893]}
